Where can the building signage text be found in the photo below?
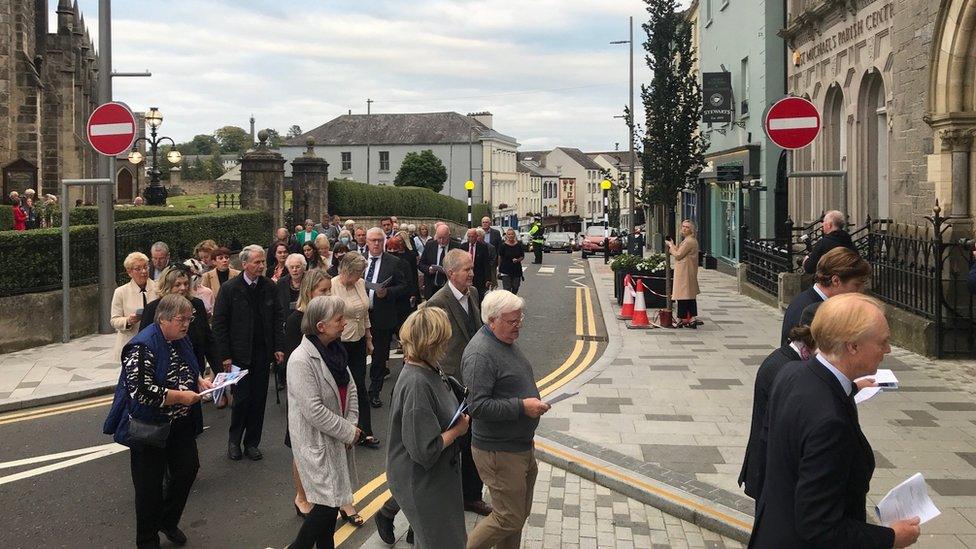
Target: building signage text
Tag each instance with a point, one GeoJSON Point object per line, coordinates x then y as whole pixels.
{"type": "Point", "coordinates": [870, 23]}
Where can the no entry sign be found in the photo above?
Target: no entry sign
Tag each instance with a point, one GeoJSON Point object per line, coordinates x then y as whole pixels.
{"type": "Point", "coordinates": [792, 123]}
{"type": "Point", "coordinates": [111, 129]}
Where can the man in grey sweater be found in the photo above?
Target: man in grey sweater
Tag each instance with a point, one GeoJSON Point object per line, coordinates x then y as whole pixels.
{"type": "Point", "coordinates": [504, 401]}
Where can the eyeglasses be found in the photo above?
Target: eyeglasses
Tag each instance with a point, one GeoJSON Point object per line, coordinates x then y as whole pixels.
{"type": "Point", "coordinates": [184, 320]}
{"type": "Point", "coordinates": [515, 323]}
{"type": "Point", "coordinates": [143, 269]}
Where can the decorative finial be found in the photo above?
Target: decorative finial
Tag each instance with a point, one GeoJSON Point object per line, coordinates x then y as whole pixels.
{"type": "Point", "coordinates": [937, 209]}
{"type": "Point", "coordinates": [310, 146]}
{"type": "Point", "coordinates": [263, 140]}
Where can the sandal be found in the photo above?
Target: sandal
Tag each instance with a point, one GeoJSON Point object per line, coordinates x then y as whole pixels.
{"type": "Point", "coordinates": [353, 519]}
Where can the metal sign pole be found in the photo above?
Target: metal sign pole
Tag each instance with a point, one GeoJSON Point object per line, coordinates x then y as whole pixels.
{"type": "Point", "coordinates": [66, 250]}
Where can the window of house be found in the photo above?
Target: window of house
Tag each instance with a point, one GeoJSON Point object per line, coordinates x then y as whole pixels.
{"type": "Point", "coordinates": [744, 86]}
{"type": "Point", "coordinates": [347, 161]}
{"type": "Point", "coordinates": [384, 161]}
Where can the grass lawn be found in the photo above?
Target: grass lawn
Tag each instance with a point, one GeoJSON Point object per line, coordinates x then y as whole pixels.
{"type": "Point", "coordinates": [201, 201]}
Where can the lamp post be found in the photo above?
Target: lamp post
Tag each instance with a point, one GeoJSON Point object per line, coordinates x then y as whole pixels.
{"type": "Point", "coordinates": [469, 186]}
{"type": "Point", "coordinates": [155, 193]}
{"type": "Point", "coordinates": [605, 185]}
{"type": "Point", "coordinates": [631, 205]}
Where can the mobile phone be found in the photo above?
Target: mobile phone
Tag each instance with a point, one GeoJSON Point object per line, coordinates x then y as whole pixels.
{"type": "Point", "coordinates": [139, 311]}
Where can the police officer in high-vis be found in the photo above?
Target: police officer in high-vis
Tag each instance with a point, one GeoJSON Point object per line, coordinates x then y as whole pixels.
{"type": "Point", "coordinates": [536, 233]}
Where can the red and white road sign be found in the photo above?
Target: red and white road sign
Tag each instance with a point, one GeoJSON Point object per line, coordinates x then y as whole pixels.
{"type": "Point", "coordinates": [111, 129]}
{"type": "Point", "coordinates": [793, 123]}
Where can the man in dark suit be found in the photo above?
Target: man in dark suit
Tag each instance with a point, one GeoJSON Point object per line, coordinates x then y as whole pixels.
{"type": "Point", "coordinates": [248, 325]}
{"type": "Point", "coordinates": [381, 267]}
{"type": "Point", "coordinates": [482, 259]}
{"type": "Point", "coordinates": [800, 347]}
{"type": "Point", "coordinates": [834, 236]}
{"type": "Point", "coordinates": [282, 235]}
{"type": "Point", "coordinates": [493, 237]}
{"type": "Point", "coordinates": [818, 462]}
{"type": "Point", "coordinates": [433, 256]}
{"type": "Point", "coordinates": [840, 271]}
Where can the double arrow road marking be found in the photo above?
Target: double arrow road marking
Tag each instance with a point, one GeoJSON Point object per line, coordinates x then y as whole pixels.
{"type": "Point", "coordinates": [70, 458]}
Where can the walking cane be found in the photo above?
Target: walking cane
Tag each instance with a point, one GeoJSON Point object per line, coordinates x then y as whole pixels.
{"type": "Point", "coordinates": [274, 377]}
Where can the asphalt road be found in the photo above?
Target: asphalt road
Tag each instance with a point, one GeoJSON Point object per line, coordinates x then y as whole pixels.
{"type": "Point", "coordinates": [84, 499]}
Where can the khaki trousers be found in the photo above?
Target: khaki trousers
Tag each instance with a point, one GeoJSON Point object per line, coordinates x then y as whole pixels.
{"type": "Point", "coordinates": [510, 478]}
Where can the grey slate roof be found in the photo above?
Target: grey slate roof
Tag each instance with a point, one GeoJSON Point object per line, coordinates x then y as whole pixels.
{"type": "Point", "coordinates": [580, 158]}
{"type": "Point", "coordinates": [535, 169]}
{"type": "Point", "coordinates": [621, 157]}
{"type": "Point", "coordinates": [426, 128]}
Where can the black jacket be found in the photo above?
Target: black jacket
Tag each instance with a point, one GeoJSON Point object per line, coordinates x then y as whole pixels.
{"type": "Point", "coordinates": [233, 322]}
{"type": "Point", "coordinates": [818, 467]}
{"type": "Point", "coordinates": [971, 280]}
{"type": "Point", "coordinates": [836, 239]}
{"type": "Point", "coordinates": [201, 336]}
{"type": "Point", "coordinates": [754, 464]}
{"type": "Point", "coordinates": [383, 314]}
{"type": "Point", "coordinates": [493, 238]}
{"type": "Point", "coordinates": [284, 292]}
{"type": "Point", "coordinates": [484, 261]}
{"type": "Point", "coordinates": [791, 318]}
{"type": "Point", "coordinates": [433, 282]}
{"type": "Point", "coordinates": [408, 263]}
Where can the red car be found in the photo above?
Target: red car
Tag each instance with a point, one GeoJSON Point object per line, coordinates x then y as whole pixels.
{"type": "Point", "coordinates": [592, 243]}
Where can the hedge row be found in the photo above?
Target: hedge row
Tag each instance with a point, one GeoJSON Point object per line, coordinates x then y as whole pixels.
{"type": "Point", "coordinates": [30, 261]}
{"type": "Point", "coordinates": [88, 215]}
{"type": "Point", "coordinates": [351, 198]}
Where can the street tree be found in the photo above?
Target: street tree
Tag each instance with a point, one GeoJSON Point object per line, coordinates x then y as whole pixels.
{"type": "Point", "coordinates": [274, 138]}
{"type": "Point", "coordinates": [233, 139]}
{"type": "Point", "coordinates": [294, 131]}
{"type": "Point", "coordinates": [673, 152]}
{"type": "Point", "coordinates": [422, 169]}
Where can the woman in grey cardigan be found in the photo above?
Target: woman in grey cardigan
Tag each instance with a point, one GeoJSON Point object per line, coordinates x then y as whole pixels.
{"type": "Point", "coordinates": [423, 463]}
{"type": "Point", "coordinates": [322, 415]}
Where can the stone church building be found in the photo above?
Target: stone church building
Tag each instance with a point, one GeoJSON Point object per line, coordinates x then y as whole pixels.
{"type": "Point", "coordinates": [48, 86]}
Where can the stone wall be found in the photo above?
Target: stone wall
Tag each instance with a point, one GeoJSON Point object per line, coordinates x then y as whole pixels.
{"type": "Point", "coordinates": [194, 187]}
{"type": "Point", "coordinates": [31, 320]}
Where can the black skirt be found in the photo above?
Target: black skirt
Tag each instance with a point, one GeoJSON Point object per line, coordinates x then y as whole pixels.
{"type": "Point", "coordinates": [687, 308]}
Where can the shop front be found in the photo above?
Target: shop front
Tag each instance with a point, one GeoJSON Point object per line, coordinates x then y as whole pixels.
{"type": "Point", "coordinates": [724, 208]}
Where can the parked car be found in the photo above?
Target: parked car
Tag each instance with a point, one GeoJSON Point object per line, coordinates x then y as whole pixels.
{"type": "Point", "coordinates": [593, 241]}
{"type": "Point", "coordinates": [557, 242]}
{"type": "Point", "coordinates": [573, 240]}
{"type": "Point", "coordinates": [526, 240]}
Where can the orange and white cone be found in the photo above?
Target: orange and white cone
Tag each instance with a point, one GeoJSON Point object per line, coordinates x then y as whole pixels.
{"type": "Point", "coordinates": [627, 311]}
{"type": "Point", "coordinates": [640, 320]}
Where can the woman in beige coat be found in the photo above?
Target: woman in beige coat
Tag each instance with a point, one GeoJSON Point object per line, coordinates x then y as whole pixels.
{"type": "Point", "coordinates": [130, 299]}
{"type": "Point", "coordinates": [685, 290]}
{"type": "Point", "coordinates": [222, 271]}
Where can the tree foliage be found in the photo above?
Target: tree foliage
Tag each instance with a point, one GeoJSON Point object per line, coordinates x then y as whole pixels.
{"type": "Point", "coordinates": [673, 150]}
{"type": "Point", "coordinates": [294, 131]}
{"type": "Point", "coordinates": [233, 139]}
{"type": "Point", "coordinates": [422, 169]}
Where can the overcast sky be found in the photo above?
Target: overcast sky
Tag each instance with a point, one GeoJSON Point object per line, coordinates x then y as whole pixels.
{"type": "Point", "coordinates": [544, 68]}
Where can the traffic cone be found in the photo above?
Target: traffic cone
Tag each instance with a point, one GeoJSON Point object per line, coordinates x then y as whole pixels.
{"type": "Point", "coordinates": [640, 320]}
{"type": "Point", "coordinates": [627, 311]}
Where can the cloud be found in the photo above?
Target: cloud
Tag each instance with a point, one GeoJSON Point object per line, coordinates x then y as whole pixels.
{"type": "Point", "coordinates": [543, 67]}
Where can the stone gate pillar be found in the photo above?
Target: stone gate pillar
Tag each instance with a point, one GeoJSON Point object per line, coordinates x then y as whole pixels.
{"type": "Point", "coordinates": [262, 180]}
{"type": "Point", "coordinates": [310, 185]}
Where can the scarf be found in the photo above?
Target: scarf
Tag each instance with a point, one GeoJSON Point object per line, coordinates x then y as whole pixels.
{"type": "Point", "coordinates": [334, 355]}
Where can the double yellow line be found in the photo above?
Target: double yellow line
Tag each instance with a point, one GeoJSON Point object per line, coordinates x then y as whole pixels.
{"type": "Point", "coordinates": [572, 367]}
{"type": "Point", "coordinates": [45, 411]}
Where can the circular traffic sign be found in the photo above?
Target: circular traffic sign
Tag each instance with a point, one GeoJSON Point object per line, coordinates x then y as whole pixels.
{"type": "Point", "coordinates": [792, 123]}
{"type": "Point", "coordinates": [111, 129]}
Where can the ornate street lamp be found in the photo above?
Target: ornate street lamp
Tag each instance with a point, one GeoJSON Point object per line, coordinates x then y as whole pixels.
{"type": "Point", "coordinates": [155, 193]}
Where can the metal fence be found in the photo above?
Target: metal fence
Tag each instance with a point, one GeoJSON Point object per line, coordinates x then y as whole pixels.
{"type": "Point", "coordinates": [228, 201]}
{"type": "Point", "coordinates": [766, 258]}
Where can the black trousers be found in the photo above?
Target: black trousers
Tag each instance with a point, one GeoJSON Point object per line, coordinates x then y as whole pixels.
{"type": "Point", "coordinates": [247, 413]}
{"type": "Point", "coordinates": [381, 355]}
{"type": "Point", "coordinates": [471, 486]}
{"type": "Point", "coordinates": [178, 462]}
{"type": "Point", "coordinates": [687, 308]}
{"type": "Point", "coordinates": [357, 366]}
{"type": "Point", "coordinates": [537, 250]}
{"type": "Point", "coordinates": [318, 529]}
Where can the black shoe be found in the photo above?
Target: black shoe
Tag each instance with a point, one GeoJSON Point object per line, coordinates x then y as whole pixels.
{"type": "Point", "coordinates": [480, 507]}
{"type": "Point", "coordinates": [234, 452]}
{"type": "Point", "coordinates": [410, 536]}
{"type": "Point", "coordinates": [174, 535]}
{"type": "Point", "coordinates": [369, 441]}
{"type": "Point", "coordinates": [375, 402]}
{"type": "Point", "coordinates": [384, 527]}
{"type": "Point", "coordinates": [253, 453]}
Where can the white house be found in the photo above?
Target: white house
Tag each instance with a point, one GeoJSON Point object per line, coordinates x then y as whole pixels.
{"type": "Point", "coordinates": [371, 147]}
{"type": "Point", "coordinates": [585, 199]}
{"type": "Point", "coordinates": [617, 165]}
{"type": "Point", "coordinates": [538, 192]}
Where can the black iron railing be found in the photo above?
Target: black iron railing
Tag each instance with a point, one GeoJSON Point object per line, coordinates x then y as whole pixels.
{"type": "Point", "coordinates": [766, 258]}
{"type": "Point", "coordinates": [228, 201]}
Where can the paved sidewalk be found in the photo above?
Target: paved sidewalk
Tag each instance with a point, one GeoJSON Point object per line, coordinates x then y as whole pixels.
{"type": "Point", "coordinates": [675, 406]}
{"type": "Point", "coordinates": [58, 372]}
{"type": "Point", "coordinates": [569, 512]}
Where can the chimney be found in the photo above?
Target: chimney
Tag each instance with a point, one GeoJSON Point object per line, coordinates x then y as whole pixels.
{"type": "Point", "coordinates": [252, 130]}
{"type": "Point", "coordinates": [484, 117]}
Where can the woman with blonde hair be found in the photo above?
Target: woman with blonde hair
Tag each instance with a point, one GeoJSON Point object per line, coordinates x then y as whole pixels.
{"type": "Point", "coordinates": [130, 299]}
{"type": "Point", "coordinates": [685, 289]}
{"type": "Point", "coordinates": [423, 462]}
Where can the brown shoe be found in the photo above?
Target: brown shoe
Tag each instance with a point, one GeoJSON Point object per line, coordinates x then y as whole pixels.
{"type": "Point", "coordinates": [479, 507]}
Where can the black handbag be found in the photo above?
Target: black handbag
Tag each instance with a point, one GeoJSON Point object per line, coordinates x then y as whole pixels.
{"type": "Point", "coordinates": [459, 390]}
{"type": "Point", "coordinates": [148, 433]}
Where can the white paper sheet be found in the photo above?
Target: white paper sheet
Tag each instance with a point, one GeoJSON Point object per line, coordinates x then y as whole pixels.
{"type": "Point", "coordinates": [886, 378]}
{"type": "Point", "coordinates": [908, 499]}
{"type": "Point", "coordinates": [865, 394]}
{"type": "Point", "coordinates": [462, 408]}
{"type": "Point", "coordinates": [223, 380]}
{"type": "Point", "coordinates": [560, 397]}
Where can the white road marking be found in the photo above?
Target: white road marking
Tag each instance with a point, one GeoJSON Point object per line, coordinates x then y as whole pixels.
{"type": "Point", "coordinates": [53, 457]}
{"type": "Point", "coordinates": [575, 271]}
{"type": "Point", "coordinates": [88, 454]}
{"type": "Point", "coordinates": [121, 128]}
{"type": "Point", "coordinates": [547, 270]}
{"type": "Point", "coordinates": [793, 123]}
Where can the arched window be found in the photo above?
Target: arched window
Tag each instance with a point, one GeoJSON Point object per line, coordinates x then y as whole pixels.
{"type": "Point", "coordinates": [873, 187]}
{"type": "Point", "coordinates": [834, 155]}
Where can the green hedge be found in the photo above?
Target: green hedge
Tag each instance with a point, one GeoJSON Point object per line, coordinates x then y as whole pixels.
{"type": "Point", "coordinates": [351, 198]}
{"type": "Point", "coordinates": [6, 217]}
{"type": "Point", "coordinates": [88, 215]}
{"type": "Point", "coordinates": [30, 261]}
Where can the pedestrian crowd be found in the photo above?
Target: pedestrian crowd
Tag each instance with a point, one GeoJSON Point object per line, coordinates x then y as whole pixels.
{"type": "Point", "coordinates": [30, 211]}
{"type": "Point", "coordinates": [305, 313]}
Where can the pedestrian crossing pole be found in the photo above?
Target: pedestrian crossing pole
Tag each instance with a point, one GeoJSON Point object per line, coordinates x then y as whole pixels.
{"type": "Point", "coordinates": [605, 185]}
{"type": "Point", "coordinates": [469, 186]}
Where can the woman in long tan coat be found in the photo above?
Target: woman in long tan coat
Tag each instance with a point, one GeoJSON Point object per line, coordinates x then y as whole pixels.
{"type": "Point", "coordinates": [685, 290]}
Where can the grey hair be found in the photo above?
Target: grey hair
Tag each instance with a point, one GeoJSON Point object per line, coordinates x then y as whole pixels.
{"type": "Point", "coordinates": [352, 262]}
{"type": "Point", "coordinates": [453, 259]}
{"type": "Point", "coordinates": [499, 302]}
{"type": "Point", "coordinates": [321, 309]}
{"type": "Point", "coordinates": [299, 258]}
{"type": "Point", "coordinates": [133, 258]}
{"type": "Point", "coordinates": [836, 218]}
{"type": "Point", "coordinates": [346, 233]}
{"type": "Point", "coordinates": [375, 230]}
{"type": "Point", "coordinates": [159, 246]}
{"type": "Point", "coordinates": [245, 254]}
{"type": "Point", "coordinates": [171, 305]}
